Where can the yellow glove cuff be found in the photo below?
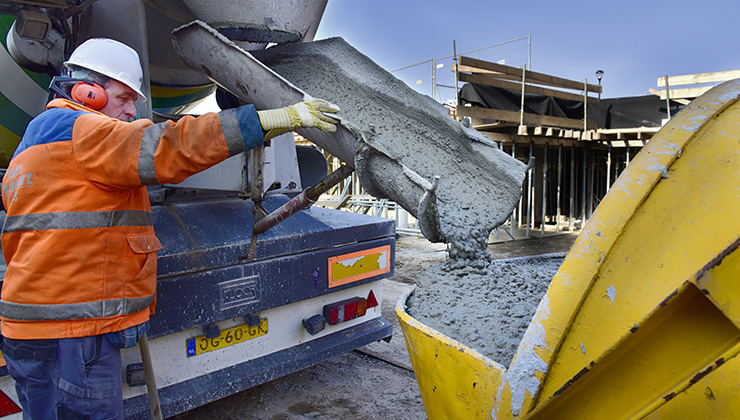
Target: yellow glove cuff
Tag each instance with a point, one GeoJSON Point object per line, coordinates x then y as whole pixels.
{"type": "Point", "coordinates": [279, 121]}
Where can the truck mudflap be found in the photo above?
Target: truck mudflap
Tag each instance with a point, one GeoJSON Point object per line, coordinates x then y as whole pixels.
{"type": "Point", "coordinates": [642, 320]}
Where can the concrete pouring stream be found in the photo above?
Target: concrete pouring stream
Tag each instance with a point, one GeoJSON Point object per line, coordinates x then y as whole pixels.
{"type": "Point", "coordinates": [404, 140]}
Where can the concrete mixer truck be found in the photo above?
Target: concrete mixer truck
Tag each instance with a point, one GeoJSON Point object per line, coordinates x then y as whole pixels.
{"type": "Point", "coordinates": [225, 320]}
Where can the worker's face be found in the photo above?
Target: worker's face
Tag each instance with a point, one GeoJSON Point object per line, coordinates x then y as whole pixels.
{"type": "Point", "coordinates": [120, 101]}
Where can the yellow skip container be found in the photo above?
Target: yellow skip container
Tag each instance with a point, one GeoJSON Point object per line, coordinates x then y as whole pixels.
{"type": "Point", "coordinates": [455, 381]}
{"type": "Point", "coordinates": [643, 318]}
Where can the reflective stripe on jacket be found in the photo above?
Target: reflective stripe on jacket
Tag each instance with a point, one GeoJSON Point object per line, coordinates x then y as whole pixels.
{"type": "Point", "coordinates": [78, 237]}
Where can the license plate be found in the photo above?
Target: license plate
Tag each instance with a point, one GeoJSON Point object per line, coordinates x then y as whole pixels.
{"type": "Point", "coordinates": [228, 337]}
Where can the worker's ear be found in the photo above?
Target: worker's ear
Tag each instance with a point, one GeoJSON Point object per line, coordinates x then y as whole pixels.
{"type": "Point", "coordinates": [90, 94]}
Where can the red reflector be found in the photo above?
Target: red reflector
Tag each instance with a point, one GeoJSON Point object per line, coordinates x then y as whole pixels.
{"type": "Point", "coordinates": [331, 313]}
{"type": "Point", "coordinates": [7, 406]}
{"type": "Point", "coordinates": [345, 310]}
{"type": "Point", "coordinates": [371, 301]}
{"type": "Point", "coordinates": [350, 310]}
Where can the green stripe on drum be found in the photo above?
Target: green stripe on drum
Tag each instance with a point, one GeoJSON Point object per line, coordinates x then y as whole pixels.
{"type": "Point", "coordinates": [178, 98]}
{"type": "Point", "coordinates": [12, 117]}
{"type": "Point", "coordinates": [13, 122]}
{"type": "Point", "coordinates": [8, 142]}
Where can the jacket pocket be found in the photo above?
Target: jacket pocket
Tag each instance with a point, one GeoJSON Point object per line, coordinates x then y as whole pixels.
{"type": "Point", "coordinates": [143, 243]}
{"type": "Point", "coordinates": [144, 282]}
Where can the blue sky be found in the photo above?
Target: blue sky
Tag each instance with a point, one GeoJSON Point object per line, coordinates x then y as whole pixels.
{"type": "Point", "coordinates": [633, 42]}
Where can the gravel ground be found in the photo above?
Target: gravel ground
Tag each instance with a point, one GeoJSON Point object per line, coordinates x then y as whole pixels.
{"type": "Point", "coordinates": [374, 382]}
{"type": "Point", "coordinates": [350, 386]}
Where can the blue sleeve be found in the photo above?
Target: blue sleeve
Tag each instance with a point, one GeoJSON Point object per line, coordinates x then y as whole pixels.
{"type": "Point", "coordinates": [250, 126]}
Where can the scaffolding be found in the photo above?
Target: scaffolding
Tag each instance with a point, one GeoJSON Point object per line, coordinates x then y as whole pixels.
{"type": "Point", "coordinates": [575, 163]}
{"type": "Point", "coordinates": [425, 76]}
{"type": "Point", "coordinates": [560, 192]}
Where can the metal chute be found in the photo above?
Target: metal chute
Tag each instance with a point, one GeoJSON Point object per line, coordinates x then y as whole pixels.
{"type": "Point", "coordinates": [404, 145]}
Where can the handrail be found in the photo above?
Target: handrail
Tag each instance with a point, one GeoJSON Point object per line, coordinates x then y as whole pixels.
{"type": "Point", "coordinates": [486, 73]}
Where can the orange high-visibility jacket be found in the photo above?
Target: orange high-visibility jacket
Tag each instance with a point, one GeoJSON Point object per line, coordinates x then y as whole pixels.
{"type": "Point", "coordinates": [78, 238]}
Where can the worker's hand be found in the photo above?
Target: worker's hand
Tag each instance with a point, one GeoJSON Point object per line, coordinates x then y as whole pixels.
{"type": "Point", "coordinates": [311, 113]}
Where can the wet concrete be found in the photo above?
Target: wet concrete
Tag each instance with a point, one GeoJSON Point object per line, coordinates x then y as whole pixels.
{"type": "Point", "coordinates": [486, 307]}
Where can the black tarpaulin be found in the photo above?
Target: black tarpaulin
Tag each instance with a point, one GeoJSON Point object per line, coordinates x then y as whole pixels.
{"type": "Point", "coordinates": [628, 112]}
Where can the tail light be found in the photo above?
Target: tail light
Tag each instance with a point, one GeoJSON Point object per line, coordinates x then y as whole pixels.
{"type": "Point", "coordinates": [338, 312]}
{"type": "Point", "coordinates": [345, 310]}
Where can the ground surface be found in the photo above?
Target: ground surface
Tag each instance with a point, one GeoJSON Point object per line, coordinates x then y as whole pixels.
{"type": "Point", "coordinates": [374, 382]}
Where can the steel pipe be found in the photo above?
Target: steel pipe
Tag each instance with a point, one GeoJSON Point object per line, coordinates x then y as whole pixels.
{"type": "Point", "coordinates": [302, 200]}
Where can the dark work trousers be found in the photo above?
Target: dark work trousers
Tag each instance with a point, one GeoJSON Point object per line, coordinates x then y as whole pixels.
{"type": "Point", "coordinates": [70, 378]}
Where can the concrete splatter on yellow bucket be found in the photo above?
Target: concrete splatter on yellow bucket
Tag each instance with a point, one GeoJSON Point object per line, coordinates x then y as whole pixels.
{"type": "Point", "coordinates": [643, 318]}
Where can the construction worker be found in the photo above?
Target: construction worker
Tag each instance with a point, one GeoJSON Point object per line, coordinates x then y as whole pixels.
{"type": "Point", "coordinates": [78, 238]}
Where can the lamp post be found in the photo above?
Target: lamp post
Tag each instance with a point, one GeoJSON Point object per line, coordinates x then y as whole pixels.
{"type": "Point", "coordinates": [599, 75]}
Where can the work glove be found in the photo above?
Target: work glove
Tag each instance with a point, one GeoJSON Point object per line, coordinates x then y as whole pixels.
{"type": "Point", "coordinates": [310, 113]}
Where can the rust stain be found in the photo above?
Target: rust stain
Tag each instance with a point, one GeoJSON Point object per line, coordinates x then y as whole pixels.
{"type": "Point", "coordinates": [669, 396]}
{"type": "Point", "coordinates": [668, 298]}
{"type": "Point", "coordinates": [572, 380]}
{"type": "Point", "coordinates": [700, 375]}
{"type": "Point", "coordinates": [206, 70]}
{"type": "Point", "coordinates": [718, 259]}
{"type": "Point", "coordinates": [243, 88]}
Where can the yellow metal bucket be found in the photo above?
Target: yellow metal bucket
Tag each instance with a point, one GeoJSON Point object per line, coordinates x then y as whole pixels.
{"type": "Point", "coordinates": [456, 382]}
{"type": "Point", "coordinates": [643, 318]}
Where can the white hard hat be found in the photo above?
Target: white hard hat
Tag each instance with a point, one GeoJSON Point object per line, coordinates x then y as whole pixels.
{"type": "Point", "coordinates": [110, 58]}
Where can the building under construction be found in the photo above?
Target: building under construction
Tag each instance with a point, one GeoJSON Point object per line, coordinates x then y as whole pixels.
{"type": "Point", "coordinates": [576, 143]}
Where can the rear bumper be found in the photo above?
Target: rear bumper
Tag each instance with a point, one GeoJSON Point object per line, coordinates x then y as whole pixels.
{"type": "Point", "coordinates": [201, 390]}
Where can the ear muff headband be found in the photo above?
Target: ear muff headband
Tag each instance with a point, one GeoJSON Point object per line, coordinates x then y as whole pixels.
{"type": "Point", "coordinates": [91, 95]}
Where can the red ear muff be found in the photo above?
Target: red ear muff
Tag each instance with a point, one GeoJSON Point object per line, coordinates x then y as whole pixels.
{"type": "Point", "coordinates": [91, 95]}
